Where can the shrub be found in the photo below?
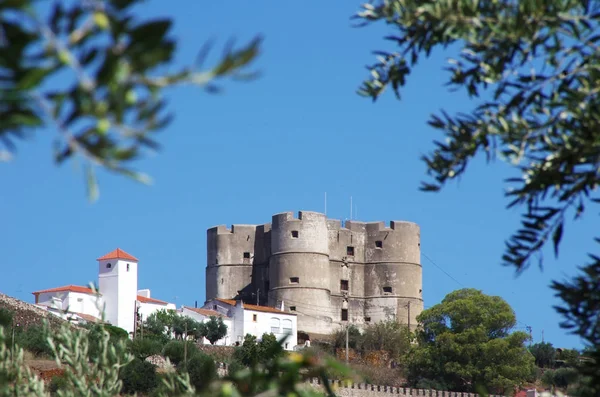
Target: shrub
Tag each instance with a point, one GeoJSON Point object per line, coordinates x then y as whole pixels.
{"type": "Point", "coordinates": [138, 377]}
{"type": "Point", "coordinates": [58, 382]}
{"type": "Point", "coordinates": [34, 340]}
{"type": "Point", "coordinates": [202, 370]}
{"type": "Point", "coordinates": [144, 348]}
{"type": "Point", "coordinates": [6, 317]}
{"type": "Point", "coordinates": [175, 351]}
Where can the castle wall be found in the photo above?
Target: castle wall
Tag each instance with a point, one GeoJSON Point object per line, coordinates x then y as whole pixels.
{"type": "Point", "coordinates": [319, 268]}
{"type": "Point", "coordinates": [299, 267]}
{"type": "Point", "coordinates": [229, 259]}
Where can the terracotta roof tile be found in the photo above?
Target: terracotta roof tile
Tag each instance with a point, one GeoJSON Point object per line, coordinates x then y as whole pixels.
{"type": "Point", "coordinates": [143, 299]}
{"type": "Point", "coordinates": [118, 254]}
{"type": "Point", "coordinates": [206, 312]}
{"type": "Point", "coordinates": [88, 317]}
{"type": "Point", "coordinates": [255, 308]}
{"type": "Point", "coordinates": [68, 288]}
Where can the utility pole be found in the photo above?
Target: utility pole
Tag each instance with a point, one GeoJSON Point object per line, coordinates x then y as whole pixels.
{"type": "Point", "coordinates": [542, 336]}
{"type": "Point", "coordinates": [347, 337]}
{"type": "Point", "coordinates": [408, 316]}
{"type": "Point", "coordinates": [530, 335]}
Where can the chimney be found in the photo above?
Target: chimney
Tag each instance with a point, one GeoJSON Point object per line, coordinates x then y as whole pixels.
{"type": "Point", "coordinates": [282, 306]}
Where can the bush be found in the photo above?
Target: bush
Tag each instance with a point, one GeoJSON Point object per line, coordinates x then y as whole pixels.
{"type": "Point", "coordinates": [202, 370]}
{"type": "Point", "coordinates": [144, 348]}
{"type": "Point", "coordinates": [116, 332]}
{"type": "Point", "coordinates": [34, 340]}
{"type": "Point", "coordinates": [175, 351]}
{"type": "Point", "coordinates": [6, 318]}
{"type": "Point", "coordinates": [138, 377]}
{"type": "Point", "coordinates": [57, 383]}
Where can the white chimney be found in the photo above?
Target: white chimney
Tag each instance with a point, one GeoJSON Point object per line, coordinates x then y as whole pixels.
{"type": "Point", "coordinates": [282, 306]}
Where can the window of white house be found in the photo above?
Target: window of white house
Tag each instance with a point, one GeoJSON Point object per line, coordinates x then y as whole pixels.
{"type": "Point", "coordinates": [287, 326]}
{"type": "Point", "coordinates": [108, 265]}
{"type": "Point", "coordinates": [255, 317]}
{"type": "Point", "coordinates": [128, 267]}
{"type": "Point", "coordinates": [274, 323]}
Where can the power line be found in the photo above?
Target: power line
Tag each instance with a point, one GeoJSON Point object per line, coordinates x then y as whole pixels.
{"type": "Point", "coordinates": [439, 267]}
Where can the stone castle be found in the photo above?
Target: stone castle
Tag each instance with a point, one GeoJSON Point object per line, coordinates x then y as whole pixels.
{"type": "Point", "coordinates": [327, 272]}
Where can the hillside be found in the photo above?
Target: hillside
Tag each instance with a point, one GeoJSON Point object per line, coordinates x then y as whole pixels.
{"type": "Point", "coordinates": [26, 314]}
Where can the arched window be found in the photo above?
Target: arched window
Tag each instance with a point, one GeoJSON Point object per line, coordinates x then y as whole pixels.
{"type": "Point", "coordinates": [274, 325]}
{"type": "Point", "coordinates": [287, 326]}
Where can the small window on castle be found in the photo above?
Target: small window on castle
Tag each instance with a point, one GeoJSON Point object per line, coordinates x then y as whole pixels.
{"type": "Point", "coordinates": [378, 244]}
{"type": "Point", "coordinates": [108, 265]}
{"type": "Point", "coordinates": [246, 255]}
{"type": "Point", "coordinates": [367, 319]}
{"type": "Point", "coordinates": [294, 280]}
{"type": "Point", "coordinates": [350, 251]}
{"type": "Point", "coordinates": [255, 317]}
{"type": "Point", "coordinates": [294, 234]}
{"type": "Point", "coordinates": [344, 314]}
{"type": "Point", "coordinates": [343, 285]}
{"type": "Point", "coordinates": [292, 308]}
{"type": "Point", "coordinates": [387, 290]}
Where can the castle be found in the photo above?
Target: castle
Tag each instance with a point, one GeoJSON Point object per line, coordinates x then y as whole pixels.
{"type": "Point", "coordinates": [328, 273]}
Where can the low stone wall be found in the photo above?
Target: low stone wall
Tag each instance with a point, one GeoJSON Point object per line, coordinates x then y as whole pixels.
{"type": "Point", "coordinates": [366, 390]}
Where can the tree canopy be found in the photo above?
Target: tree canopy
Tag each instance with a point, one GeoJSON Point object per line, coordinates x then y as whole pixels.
{"type": "Point", "coordinates": [531, 70]}
{"type": "Point", "coordinates": [465, 343]}
{"type": "Point", "coordinates": [110, 101]}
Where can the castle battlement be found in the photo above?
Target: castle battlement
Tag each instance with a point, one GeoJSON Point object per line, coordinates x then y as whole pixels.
{"type": "Point", "coordinates": [326, 270]}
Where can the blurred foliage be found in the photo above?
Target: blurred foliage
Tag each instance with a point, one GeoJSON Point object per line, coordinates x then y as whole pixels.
{"type": "Point", "coordinates": [531, 69]}
{"type": "Point", "coordinates": [253, 352]}
{"type": "Point", "coordinates": [465, 343]}
{"type": "Point", "coordinates": [544, 354]}
{"type": "Point", "coordinates": [97, 73]}
{"type": "Point", "coordinates": [138, 377]}
{"type": "Point", "coordinates": [6, 317]}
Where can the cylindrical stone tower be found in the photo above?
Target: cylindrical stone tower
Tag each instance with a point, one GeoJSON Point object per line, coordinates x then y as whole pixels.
{"type": "Point", "coordinates": [299, 268]}
{"type": "Point", "coordinates": [229, 255]}
{"type": "Point", "coordinates": [393, 273]}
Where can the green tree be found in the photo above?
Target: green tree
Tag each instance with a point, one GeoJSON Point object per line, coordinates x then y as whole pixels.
{"type": "Point", "coordinates": [202, 371]}
{"type": "Point", "coordinates": [113, 70]}
{"type": "Point", "coordinates": [215, 329]}
{"type": "Point", "coordinates": [34, 340]}
{"type": "Point", "coordinates": [355, 338]}
{"type": "Point", "coordinates": [269, 348]}
{"type": "Point", "coordinates": [544, 354]}
{"type": "Point", "coordinates": [390, 336]}
{"type": "Point", "coordinates": [530, 67]}
{"type": "Point", "coordinates": [465, 343]}
{"type": "Point", "coordinates": [247, 353]}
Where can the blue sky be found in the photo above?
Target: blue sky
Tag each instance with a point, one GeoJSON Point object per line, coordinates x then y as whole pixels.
{"type": "Point", "coordinates": [272, 145]}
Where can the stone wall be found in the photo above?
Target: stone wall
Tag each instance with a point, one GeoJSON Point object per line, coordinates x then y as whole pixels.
{"type": "Point", "coordinates": [342, 389]}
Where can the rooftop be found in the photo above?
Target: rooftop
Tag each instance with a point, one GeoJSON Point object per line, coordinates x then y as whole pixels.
{"type": "Point", "coordinates": [143, 299]}
{"type": "Point", "coordinates": [206, 312]}
{"type": "Point", "coordinates": [255, 308]}
{"type": "Point", "coordinates": [118, 254]}
{"type": "Point", "coordinates": [68, 288]}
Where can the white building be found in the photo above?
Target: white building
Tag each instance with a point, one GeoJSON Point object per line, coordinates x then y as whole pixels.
{"type": "Point", "coordinates": [117, 295]}
{"type": "Point", "coordinates": [204, 315]}
{"type": "Point", "coordinates": [257, 320]}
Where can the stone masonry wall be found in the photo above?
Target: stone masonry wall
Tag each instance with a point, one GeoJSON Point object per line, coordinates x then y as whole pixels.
{"type": "Point", "coordinates": [342, 389]}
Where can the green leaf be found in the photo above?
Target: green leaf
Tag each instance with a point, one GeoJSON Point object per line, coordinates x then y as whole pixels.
{"type": "Point", "coordinates": [92, 184]}
{"type": "Point", "coordinates": [557, 236]}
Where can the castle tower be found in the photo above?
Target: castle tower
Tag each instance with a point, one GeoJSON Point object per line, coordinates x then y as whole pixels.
{"type": "Point", "coordinates": [392, 272]}
{"type": "Point", "coordinates": [230, 255]}
{"type": "Point", "coordinates": [299, 268]}
{"type": "Point", "coordinates": [118, 284]}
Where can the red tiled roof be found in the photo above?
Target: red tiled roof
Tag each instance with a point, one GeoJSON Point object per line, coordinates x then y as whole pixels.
{"type": "Point", "coordinates": [88, 317]}
{"type": "Point", "coordinates": [118, 254]}
{"type": "Point", "coordinates": [143, 299]}
{"type": "Point", "coordinates": [255, 308]}
{"type": "Point", "coordinates": [68, 288]}
{"type": "Point", "coordinates": [206, 312]}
